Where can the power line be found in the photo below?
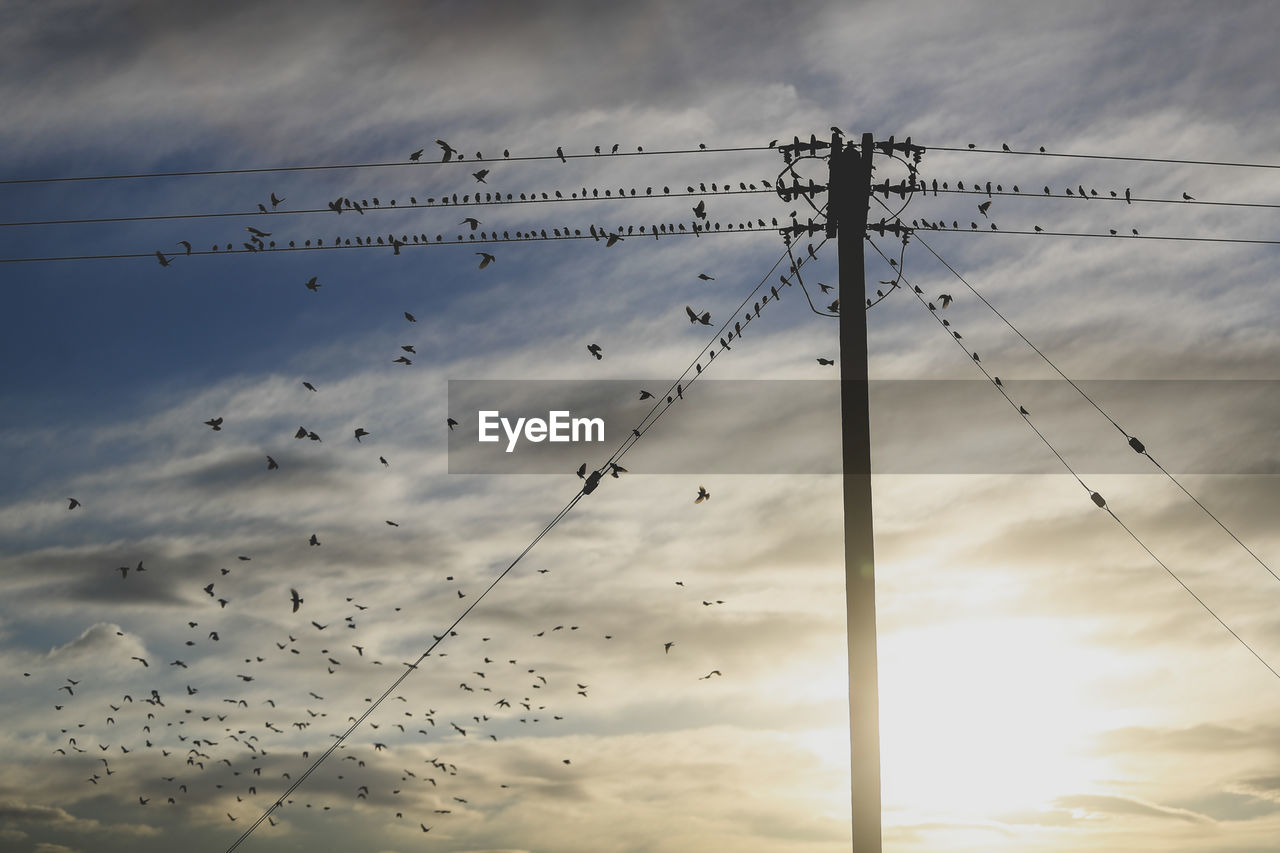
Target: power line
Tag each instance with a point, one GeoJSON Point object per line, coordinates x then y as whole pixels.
{"type": "Point", "coordinates": [719, 335]}
{"type": "Point", "coordinates": [1042, 153]}
{"type": "Point", "coordinates": [429, 205]}
{"type": "Point", "coordinates": [1116, 236]}
{"type": "Point", "coordinates": [1133, 199]}
{"type": "Point", "coordinates": [410, 668]}
{"type": "Point", "coordinates": [1133, 441]}
{"type": "Point", "coordinates": [1097, 498]}
{"type": "Point", "coordinates": [644, 232]}
{"type": "Point", "coordinates": [333, 166]}
{"type": "Point", "coordinates": [582, 492]}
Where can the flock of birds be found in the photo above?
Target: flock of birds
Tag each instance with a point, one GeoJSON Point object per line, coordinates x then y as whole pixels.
{"type": "Point", "coordinates": [215, 743]}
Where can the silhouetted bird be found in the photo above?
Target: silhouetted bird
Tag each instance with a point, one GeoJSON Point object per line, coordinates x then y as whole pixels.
{"type": "Point", "coordinates": [72, 503]}
{"type": "Point", "coordinates": [271, 464]}
{"type": "Point", "coordinates": [595, 350]}
{"type": "Point", "coordinates": [704, 318]}
{"type": "Point", "coordinates": [311, 285]}
{"type": "Point", "coordinates": [703, 495]}
{"type": "Point", "coordinates": [216, 424]}
{"type": "Point", "coordinates": [480, 175]}
{"type": "Point", "coordinates": [447, 149]}
{"type": "Point", "coordinates": [485, 259]}
{"type": "Point", "coordinates": [825, 361]}
{"type": "Point", "coordinates": [360, 433]}
{"type": "Point", "coordinates": [417, 155]}
{"type": "Point", "coordinates": [452, 423]}
{"type": "Point", "coordinates": [297, 599]}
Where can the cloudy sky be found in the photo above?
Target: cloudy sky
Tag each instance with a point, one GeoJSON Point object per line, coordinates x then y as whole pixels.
{"type": "Point", "coordinates": [656, 674]}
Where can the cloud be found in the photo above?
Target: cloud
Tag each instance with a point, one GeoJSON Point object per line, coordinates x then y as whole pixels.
{"type": "Point", "coordinates": [1106, 805]}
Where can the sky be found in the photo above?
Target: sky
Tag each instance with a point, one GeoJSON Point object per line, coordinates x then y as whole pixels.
{"type": "Point", "coordinates": [657, 673]}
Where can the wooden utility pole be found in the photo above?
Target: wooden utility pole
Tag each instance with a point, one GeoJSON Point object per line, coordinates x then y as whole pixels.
{"type": "Point", "coordinates": [848, 197]}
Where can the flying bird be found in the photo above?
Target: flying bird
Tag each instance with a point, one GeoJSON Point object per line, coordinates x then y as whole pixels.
{"type": "Point", "coordinates": [984, 207]}
{"type": "Point", "coordinates": [410, 317]}
{"type": "Point", "coordinates": [645, 395]}
{"type": "Point", "coordinates": [452, 423]}
{"type": "Point", "coordinates": [297, 599]}
{"type": "Point", "coordinates": [595, 350]}
{"type": "Point", "coordinates": [945, 299]}
{"type": "Point", "coordinates": [164, 262]}
{"type": "Point", "coordinates": [417, 155]}
{"type": "Point", "coordinates": [825, 361]}
{"type": "Point", "coordinates": [703, 495]}
{"type": "Point", "coordinates": [704, 318]}
{"type": "Point", "coordinates": [72, 503]}
{"type": "Point", "coordinates": [472, 221]}
{"type": "Point", "coordinates": [308, 386]}
{"type": "Point", "coordinates": [485, 259]}
{"type": "Point", "coordinates": [272, 464]}
{"type": "Point", "coordinates": [215, 423]}
{"type": "Point", "coordinates": [312, 285]}
{"type": "Point", "coordinates": [706, 277]}
{"type": "Point", "coordinates": [361, 433]}
{"type": "Point", "coordinates": [447, 149]}
{"type": "Point", "coordinates": [314, 540]}
{"type": "Point", "coordinates": [480, 175]}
